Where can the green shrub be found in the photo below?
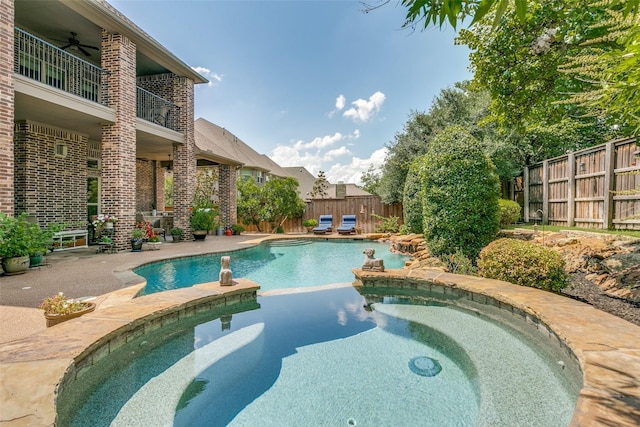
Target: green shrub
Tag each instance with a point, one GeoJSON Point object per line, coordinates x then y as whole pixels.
{"type": "Point", "coordinates": [412, 199]}
{"type": "Point", "coordinates": [523, 263]}
{"type": "Point", "coordinates": [386, 225]}
{"type": "Point", "coordinates": [458, 263]}
{"type": "Point", "coordinates": [461, 192]}
{"type": "Point", "coordinates": [509, 212]}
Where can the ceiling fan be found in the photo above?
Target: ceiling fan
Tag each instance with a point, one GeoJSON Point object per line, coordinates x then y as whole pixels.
{"type": "Point", "coordinates": [73, 42]}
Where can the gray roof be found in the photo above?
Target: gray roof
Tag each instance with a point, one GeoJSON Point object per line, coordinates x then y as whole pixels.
{"type": "Point", "coordinates": [307, 180]}
{"type": "Point", "coordinates": [213, 139]}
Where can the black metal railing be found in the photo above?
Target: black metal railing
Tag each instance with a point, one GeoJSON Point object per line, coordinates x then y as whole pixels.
{"type": "Point", "coordinates": [154, 109]}
{"type": "Point", "coordinates": [39, 60]}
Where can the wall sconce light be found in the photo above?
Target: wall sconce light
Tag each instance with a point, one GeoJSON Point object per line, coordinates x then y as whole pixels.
{"type": "Point", "coordinates": [583, 166]}
{"type": "Point", "coordinates": [635, 155]}
{"type": "Point", "coordinates": [362, 209]}
{"type": "Point", "coordinates": [170, 164]}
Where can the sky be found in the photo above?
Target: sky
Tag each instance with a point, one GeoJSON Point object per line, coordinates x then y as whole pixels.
{"type": "Point", "coordinates": [319, 84]}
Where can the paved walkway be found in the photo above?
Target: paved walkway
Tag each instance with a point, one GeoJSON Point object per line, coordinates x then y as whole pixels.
{"type": "Point", "coordinates": [85, 273]}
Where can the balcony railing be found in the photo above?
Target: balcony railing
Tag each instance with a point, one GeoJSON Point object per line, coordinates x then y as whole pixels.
{"type": "Point", "coordinates": [39, 60]}
{"type": "Point", "coordinates": [157, 110]}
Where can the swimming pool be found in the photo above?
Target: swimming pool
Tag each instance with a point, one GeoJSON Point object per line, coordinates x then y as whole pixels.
{"type": "Point", "coordinates": [274, 264]}
{"type": "Point", "coordinates": [328, 358]}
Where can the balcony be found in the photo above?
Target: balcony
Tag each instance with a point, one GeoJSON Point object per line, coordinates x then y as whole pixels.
{"type": "Point", "coordinates": [154, 109]}
{"type": "Point", "coordinates": [38, 60]}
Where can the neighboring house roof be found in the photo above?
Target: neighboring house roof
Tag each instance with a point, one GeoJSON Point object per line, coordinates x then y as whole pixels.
{"type": "Point", "coordinates": [212, 138]}
{"type": "Point", "coordinates": [307, 180]}
{"type": "Point", "coordinates": [304, 177]}
{"type": "Point", "coordinates": [274, 168]}
{"type": "Point", "coordinates": [352, 190]}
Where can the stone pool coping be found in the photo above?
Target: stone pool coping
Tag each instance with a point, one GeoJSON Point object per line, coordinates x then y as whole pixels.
{"type": "Point", "coordinates": [35, 369]}
{"type": "Point", "coordinates": [606, 347]}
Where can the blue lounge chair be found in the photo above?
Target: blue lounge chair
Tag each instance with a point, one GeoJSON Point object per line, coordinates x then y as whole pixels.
{"type": "Point", "coordinates": [348, 225]}
{"type": "Point", "coordinates": [325, 225]}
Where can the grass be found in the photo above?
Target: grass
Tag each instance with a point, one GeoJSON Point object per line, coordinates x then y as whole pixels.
{"type": "Point", "coordinates": [556, 228]}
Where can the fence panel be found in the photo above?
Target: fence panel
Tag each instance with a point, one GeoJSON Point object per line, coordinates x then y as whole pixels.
{"type": "Point", "coordinates": [592, 188]}
{"type": "Point", "coordinates": [363, 207]}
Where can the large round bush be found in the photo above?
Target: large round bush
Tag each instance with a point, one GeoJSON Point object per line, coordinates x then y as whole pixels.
{"type": "Point", "coordinates": [460, 192]}
{"type": "Point", "coordinates": [412, 200]}
{"type": "Point", "coordinates": [523, 263]}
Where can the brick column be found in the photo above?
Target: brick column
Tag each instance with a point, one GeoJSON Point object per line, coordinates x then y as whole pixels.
{"type": "Point", "coordinates": [118, 195]}
{"type": "Point", "coordinates": [6, 108]}
{"type": "Point", "coordinates": [184, 163]}
{"type": "Point", "coordinates": [227, 194]}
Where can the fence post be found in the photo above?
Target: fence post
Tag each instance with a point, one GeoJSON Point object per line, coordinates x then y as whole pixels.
{"type": "Point", "coordinates": [609, 182]}
{"type": "Point", "coordinates": [571, 189]}
{"type": "Point", "coordinates": [545, 191]}
{"type": "Point", "coordinates": [525, 190]}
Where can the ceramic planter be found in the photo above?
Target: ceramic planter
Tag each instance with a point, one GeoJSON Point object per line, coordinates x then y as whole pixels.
{"type": "Point", "coordinates": [15, 265]}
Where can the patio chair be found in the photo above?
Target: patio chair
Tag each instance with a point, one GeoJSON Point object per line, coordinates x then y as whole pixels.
{"type": "Point", "coordinates": [325, 225]}
{"type": "Point", "coordinates": [348, 225]}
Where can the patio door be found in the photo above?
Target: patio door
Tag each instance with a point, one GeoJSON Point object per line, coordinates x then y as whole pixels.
{"type": "Point", "coordinates": [93, 197]}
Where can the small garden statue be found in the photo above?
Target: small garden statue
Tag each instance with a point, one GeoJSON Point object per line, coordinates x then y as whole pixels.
{"type": "Point", "coordinates": [225, 271]}
{"type": "Point", "coordinates": [371, 263]}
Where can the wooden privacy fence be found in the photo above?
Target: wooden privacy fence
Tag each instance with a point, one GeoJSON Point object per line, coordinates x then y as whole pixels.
{"type": "Point", "coordinates": [590, 188]}
{"type": "Point", "coordinates": [361, 206]}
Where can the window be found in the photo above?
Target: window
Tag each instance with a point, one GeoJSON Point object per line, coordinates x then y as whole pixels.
{"type": "Point", "coordinates": [93, 193]}
{"type": "Point", "coordinates": [259, 177]}
{"type": "Point", "coordinates": [29, 67]}
{"type": "Point", "coordinates": [60, 150]}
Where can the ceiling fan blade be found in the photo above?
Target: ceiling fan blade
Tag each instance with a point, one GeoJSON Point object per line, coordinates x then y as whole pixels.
{"type": "Point", "coordinates": [89, 47]}
{"type": "Point", "coordinates": [64, 47]}
{"type": "Point", "coordinates": [83, 51]}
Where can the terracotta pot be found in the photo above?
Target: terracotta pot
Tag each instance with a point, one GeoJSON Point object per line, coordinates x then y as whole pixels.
{"type": "Point", "coordinates": [228, 232]}
{"type": "Point", "coordinates": [54, 319]}
{"type": "Point", "coordinates": [15, 265]}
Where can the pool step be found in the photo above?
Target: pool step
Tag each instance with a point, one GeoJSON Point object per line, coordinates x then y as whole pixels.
{"type": "Point", "coordinates": [290, 242]}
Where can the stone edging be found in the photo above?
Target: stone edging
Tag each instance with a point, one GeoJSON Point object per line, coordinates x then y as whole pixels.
{"type": "Point", "coordinates": [606, 348]}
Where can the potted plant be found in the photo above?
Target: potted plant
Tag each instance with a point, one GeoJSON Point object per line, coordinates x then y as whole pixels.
{"type": "Point", "coordinates": [176, 234]}
{"type": "Point", "coordinates": [137, 238]}
{"type": "Point", "coordinates": [309, 224]}
{"type": "Point", "coordinates": [58, 309]}
{"type": "Point", "coordinates": [203, 220]}
{"type": "Point", "coordinates": [16, 243]}
{"type": "Point", "coordinates": [237, 229]}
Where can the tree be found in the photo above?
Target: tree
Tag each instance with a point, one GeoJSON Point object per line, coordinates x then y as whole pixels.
{"type": "Point", "coordinates": [460, 192]}
{"type": "Point", "coordinates": [249, 202]}
{"type": "Point", "coordinates": [274, 202]}
{"type": "Point", "coordinates": [371, 180]}
{"type": "Point", "coordinates": [320, 186]}
{"type": "Point", "coordinates": [281, 201]}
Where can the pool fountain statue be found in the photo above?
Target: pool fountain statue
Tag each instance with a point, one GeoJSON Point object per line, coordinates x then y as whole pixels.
{"type": "Point", "coordinates": [225, 271]}
{"type": "Point", "coordinates": [371, 263]}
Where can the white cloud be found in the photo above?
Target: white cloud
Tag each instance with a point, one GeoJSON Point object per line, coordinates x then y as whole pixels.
{"type": "Point", "coordinates": [205, 72]}
{"type": "Point", "coordinates": [319, 142]}
{"type": "Point", "coordinates": [340, 103]}
{"type": "Point", "coordinates": [364, 110]}
{"type": "Point", "coordinates": [352, 172]}
{"type": "Point", "coordinates": [339, 163]}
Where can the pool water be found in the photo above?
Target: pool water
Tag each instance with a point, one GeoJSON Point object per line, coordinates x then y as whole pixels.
{"type": "Point", "coordinates": [326, 358]}
{"type": "Point", "coordinates": [276, 264]}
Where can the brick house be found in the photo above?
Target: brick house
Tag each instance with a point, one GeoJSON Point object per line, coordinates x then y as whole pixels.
{"type": "Point", "coordinates": [91, 110]}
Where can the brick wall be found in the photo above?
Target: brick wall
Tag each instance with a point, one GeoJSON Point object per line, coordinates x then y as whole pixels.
{"type": "Point", "coordinates": [118, 195]}
{"type": "Point", "coordinates": [6, 108]}
{"type": "Point", "coordinates": [50, 187]}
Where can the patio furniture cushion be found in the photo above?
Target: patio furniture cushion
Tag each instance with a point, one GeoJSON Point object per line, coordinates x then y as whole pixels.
{"type": "Point", "coordinates": [325, 224]}
{"type": "Point", "coordinates": [348, 225]}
